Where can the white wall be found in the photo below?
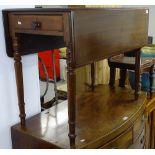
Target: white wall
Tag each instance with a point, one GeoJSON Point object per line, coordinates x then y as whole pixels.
{"type": "Point", "coordinates": [152, 21]}
{"type": "Point", "coordinates": [8, 97]}
{"type": "Point", "coordinates": [151, 31]}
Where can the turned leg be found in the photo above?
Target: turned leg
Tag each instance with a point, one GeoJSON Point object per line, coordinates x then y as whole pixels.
{"type": "Point", "coordinates": [137, 74]}
{"type": "Point", "coordinates": [122, 79]}
{"type": "Point", "coordinates": [152, 72]}
{"type": "Point", "coordinates": [93, 76]}
{"type": "Point", "coordinates": [19, 81]}
{"type": "Point", "coordinates": [112, 76]}
{"type": "Point", "coordinates": [71, 84]}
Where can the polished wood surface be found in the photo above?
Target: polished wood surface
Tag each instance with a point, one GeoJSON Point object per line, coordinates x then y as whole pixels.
{"type": "Point", "coordinates": [103, 33]}
{"type": "Point", "coordinates": [40, 31]}
{"type": "Point", "coordinates": [123, 141]}
{"type": "Point", "coordinates": [137, 74]}
{"type": "Point", "coordinates": [101, 117]}
{"type": "Point", "coordinates": [71, 89]}
{"type": "Point", "coordinates": [38, 22]}
{"type": "Point", "coordinates": [150, 123]}
{"type": "Point", "coordinates": [89, 35]}
{"type": "Point", "coordinates": [109, 29]}
{"type": "Point", "coordinates": [19, 80]}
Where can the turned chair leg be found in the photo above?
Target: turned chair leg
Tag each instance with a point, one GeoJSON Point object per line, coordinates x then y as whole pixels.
{"type": "Point", "coordinates": [152, 76]}
{"type": "Point", "coordinates": [93, 76]}
{"type": "Point", "coordinates": [137, 74]}
{"type": "Point", "coordinates": [112, 76]}
{"type": "Point", "coordinates": [122, 79]}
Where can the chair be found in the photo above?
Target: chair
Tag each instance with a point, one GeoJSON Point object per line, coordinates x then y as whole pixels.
{"type": "Point", "coordinates": [127, 62]}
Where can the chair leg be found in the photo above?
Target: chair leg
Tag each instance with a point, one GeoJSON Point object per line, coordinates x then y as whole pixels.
{"type": "Point", "coordinates": [152, 80]}
{"type": "Point", "coordinates": [112, 76]}
{"type": "Point", "coordinates": [137, 74]}
{"type": "Point", "coordinates": [93, 76]}
{"type": "Point", "coordinates": [122, 79]}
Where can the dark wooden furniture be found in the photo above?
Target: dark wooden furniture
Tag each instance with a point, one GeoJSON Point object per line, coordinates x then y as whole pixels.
{"type": "Point", "coordinates": [89, 35]}
{"type": "Point", "coordinates": [150, 109]}
{"type": "Point", "coordinates": [124, 63]}
{"type": "Point", "coordinates": [104, 120]}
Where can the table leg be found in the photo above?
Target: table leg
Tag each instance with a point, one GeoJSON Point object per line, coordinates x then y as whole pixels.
{"type": "Point", "coordinates": [112, 76]}
{"type": "Point", "coordinates": [92, 76]}
{"type": "Point", "coordinates": [137, 74]}
{"type": "Point", "coordinates": [122, 79]}
{"type": "Point", "coordinates": [71, 86]}
{"type": "Point", "coordinates": [19, 81]}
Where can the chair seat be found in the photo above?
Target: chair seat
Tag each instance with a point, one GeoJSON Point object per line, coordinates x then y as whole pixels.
{"type": "Point", "coordinates": [124, 62]}
{"type": "Point", "coordinates": [139, 60]}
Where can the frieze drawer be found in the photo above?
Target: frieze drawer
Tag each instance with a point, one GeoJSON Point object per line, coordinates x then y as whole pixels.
{"type": "Point", "coordinates": [39, 22]}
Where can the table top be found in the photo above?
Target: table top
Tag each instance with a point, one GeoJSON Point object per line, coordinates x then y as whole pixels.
{"type": "Point", "coordinates": [113, 31]}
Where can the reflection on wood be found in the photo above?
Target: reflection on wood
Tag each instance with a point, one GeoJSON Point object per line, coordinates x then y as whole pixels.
{"type": "Point", "coordinates": [102, 75]}
{"type": "Point", "coordinates": [101, 116]}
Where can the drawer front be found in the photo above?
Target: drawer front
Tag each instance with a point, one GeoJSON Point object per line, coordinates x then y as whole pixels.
{"type": "Point", "coordinates": [39, 22]}
{"type": "Point", "coordinates": [121, 142]}
{"type": "Point", "coordinates": [138, 127]}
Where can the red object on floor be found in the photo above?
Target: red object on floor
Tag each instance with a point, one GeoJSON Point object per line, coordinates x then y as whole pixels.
{"type": "Point", "coordinates": [46, 56]}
